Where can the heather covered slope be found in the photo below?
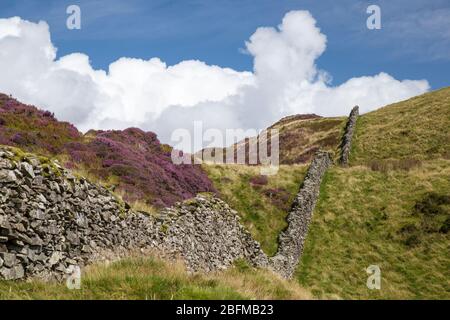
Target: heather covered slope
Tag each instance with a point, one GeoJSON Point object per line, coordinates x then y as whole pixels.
{"type": "Point", "coordinates": [32, 129]}
{"type": "Point", "coordinates": [132, 161]}
{"type": "Point", "coordinates": [138, 165]}
{"type": "Point", "coordinates": [300, 136]}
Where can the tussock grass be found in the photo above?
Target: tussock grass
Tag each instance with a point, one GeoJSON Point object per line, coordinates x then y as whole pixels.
{"type": "Point", "coordinates": [263, 208]}
{"type": "Point", "coordinates": [417, 128]}
{"type": "Point", "coordinates": [152, 278]}
{"type": "Point", "coordinates": [359, 221]}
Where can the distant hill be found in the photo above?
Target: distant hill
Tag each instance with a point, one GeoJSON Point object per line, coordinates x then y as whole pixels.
{"type": "Point", "coordinates": [300, 136]}
{"type": "Point", "coordinates": [132, 161]}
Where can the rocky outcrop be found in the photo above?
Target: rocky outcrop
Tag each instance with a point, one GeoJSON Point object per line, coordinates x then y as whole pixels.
{"type": "Point", "coordinates": [291, 240]}
{"type": "Point", "coordinates": [348, 135]}
{"type": "Point", "coordinates": [52, 221]}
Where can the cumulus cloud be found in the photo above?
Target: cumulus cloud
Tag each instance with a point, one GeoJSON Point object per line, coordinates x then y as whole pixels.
{"type": "Point", "coordinates": [151, 95]}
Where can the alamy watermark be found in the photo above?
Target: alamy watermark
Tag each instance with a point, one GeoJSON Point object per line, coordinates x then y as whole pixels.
{"type": "Point", "coordinates": [73, 281]}
{"type": "Point", "coordinates": [374, 20]}
{"type": "Point", "coordinates": [251, 147]}
{"type": "Point", "coordinates": [374, 280]}
{"type": "Point", "coordinates": [73, 22]}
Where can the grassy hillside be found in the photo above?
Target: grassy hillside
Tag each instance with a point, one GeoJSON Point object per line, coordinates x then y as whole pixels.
{"type": "Point", "coordinates": [417, 128]}
{"type": "Point", "coordinates": [393, 219]}
{"type": "Point", "coordinates": [261, 201]}
{"type": "Point", "coordinates": [152, 278]}
{"type": "Point", "coordinates": [390, 208]}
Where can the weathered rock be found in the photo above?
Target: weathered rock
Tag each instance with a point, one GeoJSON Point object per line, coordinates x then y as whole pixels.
{"type": "Point", "coordinates": [7, 176]}
{"type": "Point", "coordinates": [55, 258]}
{"type": "Point", "coordinates": [6, 164]}
{"type": "Point", "coordinates": [14, 273]}
{"type": "Point", "coordinates": [27, 169]}
{"type": "Point", "coordinates": [9, 259]}
{"type": "Point", "coordinates": [348, 136]}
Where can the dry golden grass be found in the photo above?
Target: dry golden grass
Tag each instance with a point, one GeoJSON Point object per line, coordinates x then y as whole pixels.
{"type": "Point", "coordinates": [152, 278]}
{"type": "Point", "coordinates": [263, 216]}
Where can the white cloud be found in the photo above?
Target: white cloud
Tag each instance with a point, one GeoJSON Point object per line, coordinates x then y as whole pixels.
{"type": "Point", "coordinates": [151, 95]}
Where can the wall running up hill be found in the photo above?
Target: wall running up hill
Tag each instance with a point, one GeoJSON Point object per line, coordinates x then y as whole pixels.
{"type": "Point", "coordinates": [51, 221]}
{"type": "Point", "coordinates": [348, 136]}
{"type": "Point", "coordinates": [291, 240]}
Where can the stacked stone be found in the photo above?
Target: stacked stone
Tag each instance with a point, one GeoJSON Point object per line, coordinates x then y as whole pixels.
{"type": "Point", "coordinates": [291, 240]}
{"type": "Point", "coordinates": [51, 222]}
{"type": "Point", "coordinates": [209, 236]}
{"type": "Point", "coordinates": [348, 135]}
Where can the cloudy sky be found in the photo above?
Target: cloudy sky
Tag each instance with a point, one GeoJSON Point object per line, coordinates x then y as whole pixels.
{"type": "Point", "coordinates": [160, 65]}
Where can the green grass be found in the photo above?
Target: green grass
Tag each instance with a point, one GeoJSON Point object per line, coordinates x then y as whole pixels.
{"type": "Point", "coordinates": [417, 128]}
{"type": "Point", "coordinates": [358, 222]}
{"type": "Point", "coordinates": [261, 215]}
{"type": "Point", "coordinates": [152, 279]}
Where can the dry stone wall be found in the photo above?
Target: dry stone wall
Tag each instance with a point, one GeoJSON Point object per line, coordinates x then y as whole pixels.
{"type": "Point", "coordinates": [291, 240]}
{"type": "Point", "coordinates": [51, 221]}
{"type": "Point", "coordinates": [348, 136]}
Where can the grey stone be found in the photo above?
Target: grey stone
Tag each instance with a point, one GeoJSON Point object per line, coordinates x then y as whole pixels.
{"type": "Point", "coordinates": [53, 221]}
{"type": "Point", "coordinates": [73, 238]}
{"type": "Point", "coordinates": [348, 136]}
{"type": "Point", "coordinates": [27, 169]}
{"type": "Point", "coordinates": [37, 214]}
{"type": "Point", "coordinates": [291, 240]}
{"type": "Point", "coordinates": [7, 176]}
{"type": "Point", "coordinates": [9, 259]}
{"type": "Point", "coordinates": [6, 164]}
{"type": "Point", "coordinates": [14, 273]}
{"type": "Point", "coordinates": [55, 258]}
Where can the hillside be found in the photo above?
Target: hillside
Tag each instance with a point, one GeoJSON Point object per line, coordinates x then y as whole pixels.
{"type": "Point", "coordinates": [132, 162]}
{"type": "Point", "coordinates": [262, 201]}
{"type": "Point", "coordinates": [397, 220]}
{"type": "Point", "coordinates": [300, 137]}
{"type": "Point", "coordinates": [416, 129]}
{"type": "Point", "coordinates": [390, 207]}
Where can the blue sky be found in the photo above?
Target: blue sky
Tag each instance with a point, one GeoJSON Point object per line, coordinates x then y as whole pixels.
{"type": "Point", "coordinates": [414, 42]}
